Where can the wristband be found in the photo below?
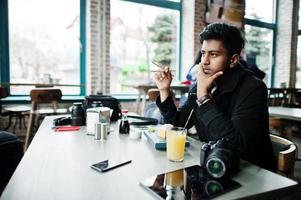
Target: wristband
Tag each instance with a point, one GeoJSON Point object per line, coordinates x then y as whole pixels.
{"type": "Point", "coordinates": [203, 99]}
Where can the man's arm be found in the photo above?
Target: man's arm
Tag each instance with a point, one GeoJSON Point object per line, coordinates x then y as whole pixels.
{"type": "Point", "coordinates": [246, 124]}
{"type": "Point", "coordinates": [172, 115]}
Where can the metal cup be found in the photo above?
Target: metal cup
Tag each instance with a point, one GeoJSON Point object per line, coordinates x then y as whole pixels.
{"type": "Point", "coordinates": [104, 130]}
{"type": "Point", "coordinates": [97, 131]}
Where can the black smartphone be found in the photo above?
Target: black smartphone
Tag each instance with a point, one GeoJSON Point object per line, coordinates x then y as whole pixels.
{"type": "Point", "coordinates": [107, 165]}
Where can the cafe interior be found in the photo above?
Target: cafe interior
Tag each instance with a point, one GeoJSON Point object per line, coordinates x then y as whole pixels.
{"type": "Point", "coordinates": [77, 89]}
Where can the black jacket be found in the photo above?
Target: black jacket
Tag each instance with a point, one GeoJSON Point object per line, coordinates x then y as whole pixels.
{"type": "Point", "coordinates": [238, 111]}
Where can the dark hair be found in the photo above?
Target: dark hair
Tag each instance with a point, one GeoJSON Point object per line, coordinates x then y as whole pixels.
{"type": "Point", "coordinates": [230, 36]}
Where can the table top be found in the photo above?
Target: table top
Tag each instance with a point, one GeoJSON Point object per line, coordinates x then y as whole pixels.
{"type": "Point", "coordinates": [285, 113]}
{"type": "Point", "coordinates": [57, 166]}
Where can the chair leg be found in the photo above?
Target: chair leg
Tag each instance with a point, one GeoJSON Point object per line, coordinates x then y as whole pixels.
{"type": "Point", "coordinates": [29, 129]}
{"type": "Point", "coordinates": [23, 121]}
{"type": "Point", "coordinates": [9, 122]}
{"type": "Point", "coordinates": [16, 123]}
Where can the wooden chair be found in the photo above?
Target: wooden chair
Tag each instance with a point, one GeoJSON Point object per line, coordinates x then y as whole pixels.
{"type": "Point", "coordinates": [278, 126]}
{"type": "Point", "coordinates": [152, 110]}
{"type": "Point", "coordinates": [285, 152]}
{"type": "Point", "coordinates": [153, 94]}
{"type": "Point", "coordinates": [38, 97]}
{"type": "Point", "coordinates": [17, 111]}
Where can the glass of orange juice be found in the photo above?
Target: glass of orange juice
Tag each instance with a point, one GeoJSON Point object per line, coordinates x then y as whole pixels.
{"type": "Point", "coordinates": [175, 178]}
{"type": "Point", "coordinates": [175, 143]}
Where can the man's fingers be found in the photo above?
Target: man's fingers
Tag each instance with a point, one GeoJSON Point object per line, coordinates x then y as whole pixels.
{"type": "Point", "coordinates": [213, 77]}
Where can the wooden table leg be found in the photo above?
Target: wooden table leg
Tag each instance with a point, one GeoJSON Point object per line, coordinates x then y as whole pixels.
{"type": "Point", "coordinates": [143, 102]}
{"type": "Point", "coordinates": [29, 129]}
{"type": "Point", "coordinates": [138, 102]}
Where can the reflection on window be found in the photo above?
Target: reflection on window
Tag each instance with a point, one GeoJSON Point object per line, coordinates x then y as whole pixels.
{"type": "Point", "coordinates": [262, 10]}
{"type": "Point", "coordinates": [259, 49]}
{"type": "Point", "coordinates": [44, 43]}
{"type": "Point", "coordinates": [139, 36]}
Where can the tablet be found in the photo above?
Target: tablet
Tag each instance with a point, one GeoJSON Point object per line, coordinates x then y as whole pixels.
{"type": "Point", "coordinates": [158, 142]}
{"type": "Point", "coordinates": [189, 183]}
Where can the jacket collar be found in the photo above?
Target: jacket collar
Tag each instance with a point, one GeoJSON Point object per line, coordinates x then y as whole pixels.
{"type": "Point", "coordinates": [230, 79]}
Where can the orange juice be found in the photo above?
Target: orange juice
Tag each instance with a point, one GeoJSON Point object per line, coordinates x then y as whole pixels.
{"type": "Point", "coordinates": [175, 143]}
{"type": "Point", "coordinates": [175, 178]}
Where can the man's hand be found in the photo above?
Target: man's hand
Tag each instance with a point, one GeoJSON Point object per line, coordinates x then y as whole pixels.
{"type": "Point", "coordinates": [163, 80]}
{"type": "Point", "coordinates": [205, 82]}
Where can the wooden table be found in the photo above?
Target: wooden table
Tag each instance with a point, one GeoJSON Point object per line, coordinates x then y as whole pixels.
{"type": "Point", "coordinates": [285, 113]}
{"type": "Point", "coordinates": [57, 166]}
{"type": "Point", "coordinates": [142, 93]}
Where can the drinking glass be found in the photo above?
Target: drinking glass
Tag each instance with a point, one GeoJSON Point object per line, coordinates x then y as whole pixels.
{"type": "Point", "coordinates": [175, 143]}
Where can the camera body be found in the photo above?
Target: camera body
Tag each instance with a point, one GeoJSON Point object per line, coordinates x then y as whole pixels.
{"type": "Point", "coordinates": [62, 121]}
{"type": "Point", "coordinates": [218, 158]}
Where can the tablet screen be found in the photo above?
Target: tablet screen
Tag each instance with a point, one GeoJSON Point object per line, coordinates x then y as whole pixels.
{"type": "Point", "coordinates": [189, 183]}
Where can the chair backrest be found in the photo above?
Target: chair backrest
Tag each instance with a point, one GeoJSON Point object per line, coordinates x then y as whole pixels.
{"type": "Point", "coordinates": [45, 95]}
{"type": "Point", "coordinates": [285, 152]}
{"type": "Point", "coordinates": [153, 94]}
{"type": "Point", "coordinates": [3, 92]}
{"type": "Point", "coordinates": [48, 95]}
{"type": "Point", "coordinates": [152, 109]}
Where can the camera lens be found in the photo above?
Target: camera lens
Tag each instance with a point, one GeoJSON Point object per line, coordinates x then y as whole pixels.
{"type": "Point", "coordinates": [213, 187]}
{"type": "Point", "coordinates": [216, 167]}
{"type": "Point", "coordinates": [77, 115]}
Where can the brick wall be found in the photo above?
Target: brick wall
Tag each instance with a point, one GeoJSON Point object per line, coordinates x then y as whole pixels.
{"type": "Point", "coordinates": [199, 22]}
{"type": "Point", "coordinates": [193, 15]}
{"type": "Point", "coordinates": [285, 59]}
{"type": "Point", "coordinates": [98, 46]}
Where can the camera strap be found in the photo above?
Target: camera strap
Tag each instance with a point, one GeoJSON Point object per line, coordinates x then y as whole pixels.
{"type": "Point", "coordinates": [142, 121]}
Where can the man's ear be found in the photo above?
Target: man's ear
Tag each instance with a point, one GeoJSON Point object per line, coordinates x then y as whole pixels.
{"type": "Point", "coordinates": [234, 60]}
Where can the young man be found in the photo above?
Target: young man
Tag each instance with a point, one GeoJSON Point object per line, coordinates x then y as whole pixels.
{"type": "Point", "coordinates": [227, 100]}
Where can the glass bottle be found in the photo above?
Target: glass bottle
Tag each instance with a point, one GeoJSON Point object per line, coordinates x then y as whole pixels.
{"type": "Point", "coordinates": [77, 115]}
{"type": "Point", "coordinates": [124, 127]}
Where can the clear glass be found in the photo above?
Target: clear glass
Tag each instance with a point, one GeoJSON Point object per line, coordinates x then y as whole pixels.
{"type": "Point", "coordinates": [258, 49]}
{"type": "Point", "coordinates": [175, 143]}
{"type": "Point", "coordinates": [298, 72]}
{"type": "Point", "coordinates": [260, 10]}
{"type": "Point", "coordinates": [138, 36]}
{"type": "Point", "coordinates": [44, 41]}
{"type": "Point", "coordinates": [174, 178]}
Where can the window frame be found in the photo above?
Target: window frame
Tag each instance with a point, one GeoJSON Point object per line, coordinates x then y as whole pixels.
{"type": "Point", "coordinates": [273, 28]}
{"type": "Point", "coordinates": [4, 47]}
{"type": "Point", "coordinates": [174, 6]}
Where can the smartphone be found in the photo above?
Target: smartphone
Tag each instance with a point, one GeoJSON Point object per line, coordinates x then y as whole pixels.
{"type": "Point", "coordinates": [107, 165]}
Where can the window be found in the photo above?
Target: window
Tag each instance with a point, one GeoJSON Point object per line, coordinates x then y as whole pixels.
{"type": "Point", "coordinates": [298, 72]}
{"type": "Point", "coordinates": [142, 34]}
{"type": "Point", "coordinates": [260, 32]}
{"type": "Point", "coordinates": [45, 45]}
{"type": "Point", "coordinates": [262, 10]}
{"type": "Point", "coordinates": [259, 49]}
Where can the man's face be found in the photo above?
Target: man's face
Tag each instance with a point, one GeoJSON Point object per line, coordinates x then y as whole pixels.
{"type": "Point", "coordinates": [214, 57]}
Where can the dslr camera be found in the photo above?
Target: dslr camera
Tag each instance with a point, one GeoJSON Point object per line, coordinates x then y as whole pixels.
{"type": "Point", "coordinates": [218, 159]}
{"type": "Point", "coordinates": [62, 121]}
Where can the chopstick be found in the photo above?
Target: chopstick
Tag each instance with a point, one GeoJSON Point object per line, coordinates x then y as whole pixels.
{"type": "Point", "coordinates": [161, 71]}
{"type": "Point", "coordinates": [160, 66]}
